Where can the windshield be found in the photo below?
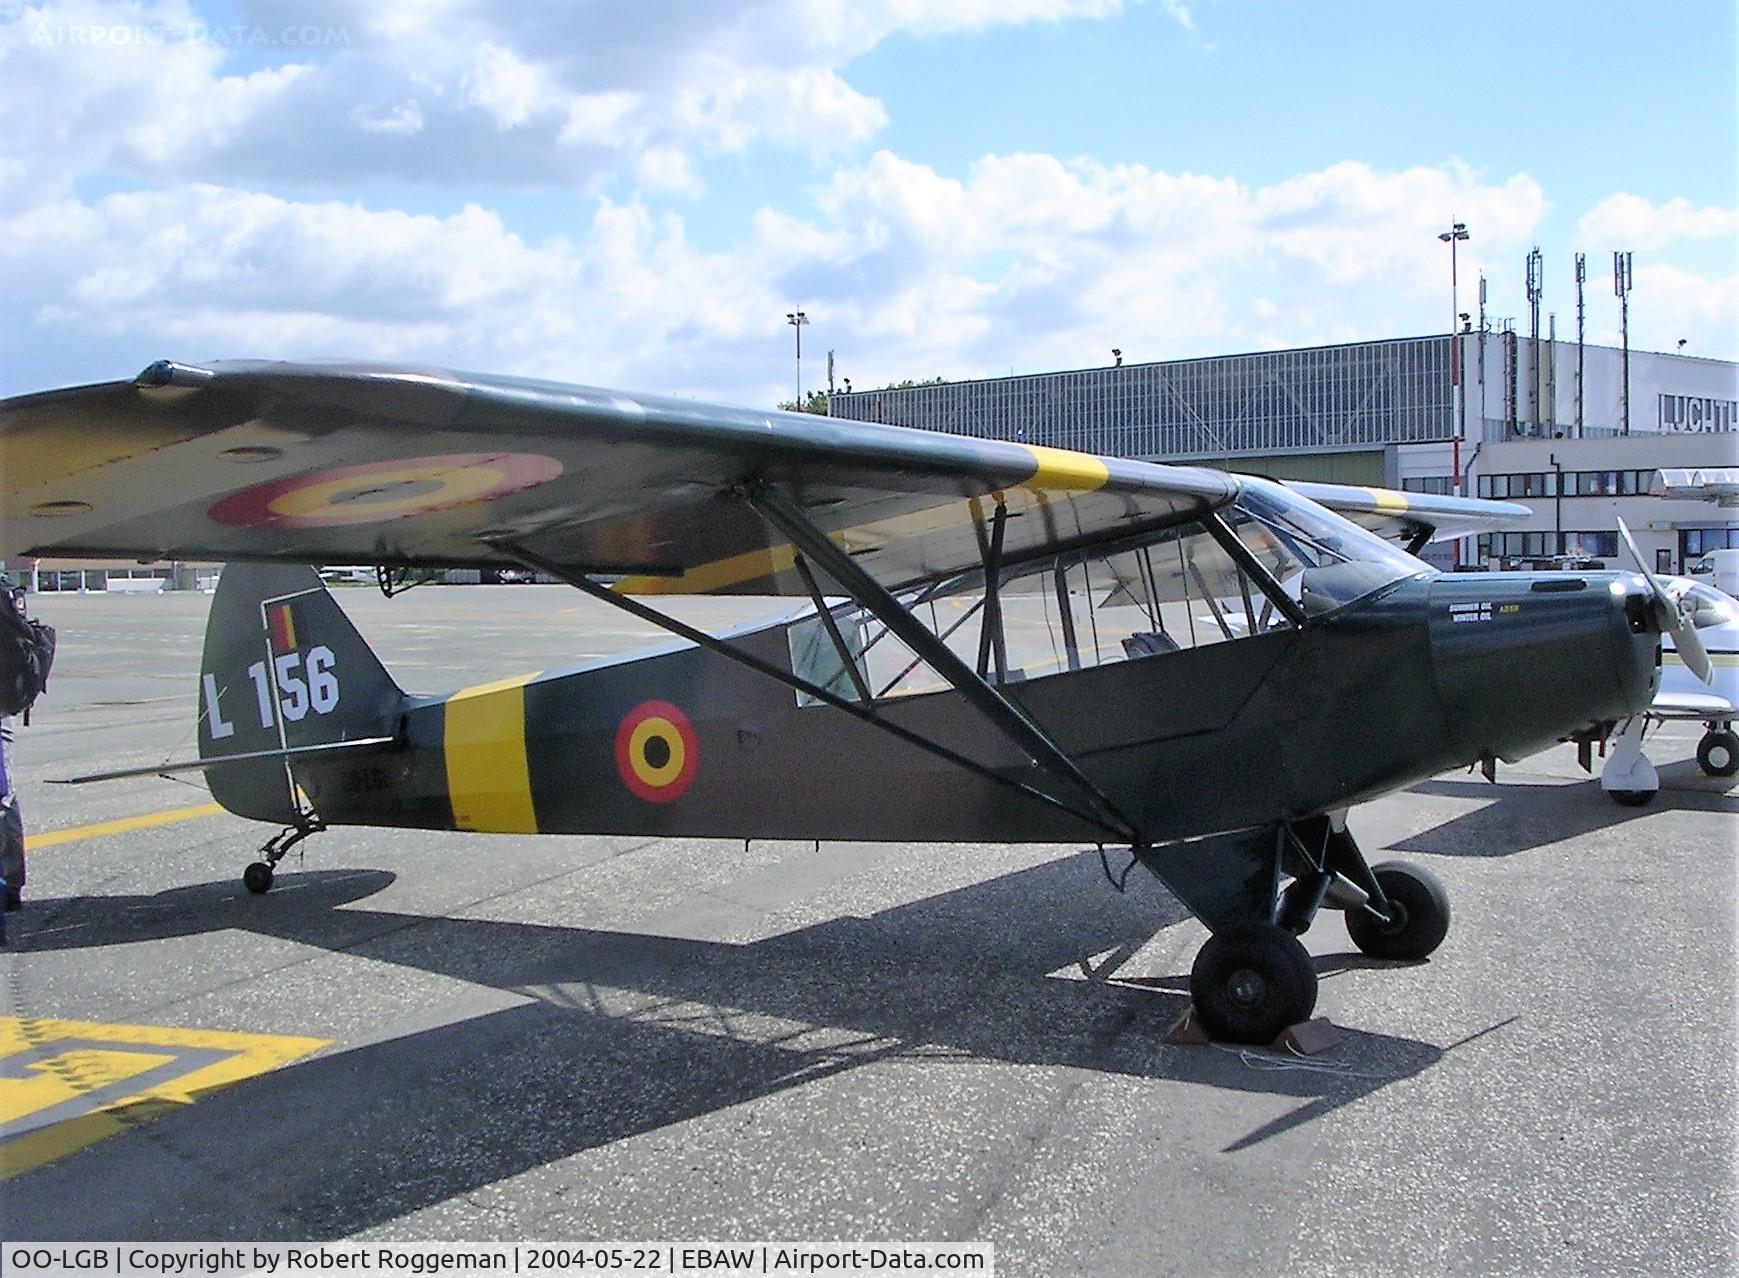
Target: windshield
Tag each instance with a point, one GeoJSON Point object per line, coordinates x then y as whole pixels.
{"type": "Point", "coordinates": [1323, 560]}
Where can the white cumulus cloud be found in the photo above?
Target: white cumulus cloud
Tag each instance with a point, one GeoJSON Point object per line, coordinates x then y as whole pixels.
{"type": "Point", "coordinates": [1626, 221]}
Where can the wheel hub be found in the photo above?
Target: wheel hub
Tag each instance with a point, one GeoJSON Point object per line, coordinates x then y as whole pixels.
{"type": "Point", "coordinates": [1397, 918]}
{"type": "Point", "coordinates": [1247, 987]}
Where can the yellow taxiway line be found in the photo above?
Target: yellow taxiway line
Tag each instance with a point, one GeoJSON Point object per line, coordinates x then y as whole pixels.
{"type": "Point", "coordinates": [36, 842]}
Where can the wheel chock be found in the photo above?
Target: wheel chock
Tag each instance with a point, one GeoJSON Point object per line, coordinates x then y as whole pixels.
{"type": "Point", "coordinates": [1187, 1032]}
{"type": "Point", "coordinates": [1307, 1038]}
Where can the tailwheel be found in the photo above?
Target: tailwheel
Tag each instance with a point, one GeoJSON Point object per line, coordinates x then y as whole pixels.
{"type": "Point", "coordinates": [1250, 982]}
{"type": "Point", "coordinates": [1418, 915]}
{"type": "Point", "coordinates": [1718, 754]}
{"type": "Point", "coordinates": [257, 878]}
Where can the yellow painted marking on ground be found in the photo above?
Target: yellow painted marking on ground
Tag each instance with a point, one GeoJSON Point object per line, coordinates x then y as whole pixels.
{"type": "Point", "coordinates": [95, 1079]}
{"type": "Point", "coordinates": [488, 776]}
{"type": "Point", "coordinates": [124, 825]}
{"type": "Point", "coordinates": [69, 1076]}
{"type": "Point", "coordinates": [1061, 468]}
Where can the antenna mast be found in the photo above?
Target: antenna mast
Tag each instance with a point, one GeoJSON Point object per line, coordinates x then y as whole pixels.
{"type": "Point", "coordinates": [1536, 289]}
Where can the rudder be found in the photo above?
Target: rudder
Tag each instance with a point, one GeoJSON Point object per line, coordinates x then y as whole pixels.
{"type": "Point", "coordinates": [283, 667]}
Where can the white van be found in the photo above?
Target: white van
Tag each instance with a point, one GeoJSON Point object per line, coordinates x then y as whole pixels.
{"type": "Point", "coordinates": [1720, 568]}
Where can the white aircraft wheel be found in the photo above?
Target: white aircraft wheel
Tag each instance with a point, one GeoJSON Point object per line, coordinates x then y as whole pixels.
{"type": "Point", "coordinates": [1250, 982]}
{"type": "Point", "coordinates": [1420, 908]}
{"type": "Point", "coordinates": [1718, 754]}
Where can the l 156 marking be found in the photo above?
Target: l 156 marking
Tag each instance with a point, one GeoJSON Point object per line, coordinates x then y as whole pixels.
{"type": "Point", "coordinates": [301, 686]}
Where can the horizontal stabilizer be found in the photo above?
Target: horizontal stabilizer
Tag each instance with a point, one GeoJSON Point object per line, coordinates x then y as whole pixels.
{"type": "Point", "coordinates": [195, 765]}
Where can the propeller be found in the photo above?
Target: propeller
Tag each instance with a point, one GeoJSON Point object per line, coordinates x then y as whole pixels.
{"type": "Point", "coordinates": [1673, 618]}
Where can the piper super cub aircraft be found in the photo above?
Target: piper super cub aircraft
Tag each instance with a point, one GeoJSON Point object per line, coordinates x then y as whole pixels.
{"type": "Point", "coordinates": [1000, 642]}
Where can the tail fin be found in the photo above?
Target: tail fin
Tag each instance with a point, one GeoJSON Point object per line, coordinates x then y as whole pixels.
{"type": "Point", "coordinates": [283, 667]}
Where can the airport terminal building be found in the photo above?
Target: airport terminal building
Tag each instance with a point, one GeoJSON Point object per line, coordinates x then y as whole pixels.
{"type": "Point", "coordinates": [1573, 431]}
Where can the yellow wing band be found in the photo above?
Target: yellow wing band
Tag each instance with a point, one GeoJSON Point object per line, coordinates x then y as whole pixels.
{"type": "Point", "coordinates": [1060, 469]}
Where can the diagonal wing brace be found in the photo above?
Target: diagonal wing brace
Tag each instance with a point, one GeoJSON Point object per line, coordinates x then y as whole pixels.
{"type": "Point", "coordinates": [869, 593]}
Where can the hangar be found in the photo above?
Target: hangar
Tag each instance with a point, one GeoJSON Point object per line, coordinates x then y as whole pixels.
{"type": "Point", "coordinates": [1572, 430]}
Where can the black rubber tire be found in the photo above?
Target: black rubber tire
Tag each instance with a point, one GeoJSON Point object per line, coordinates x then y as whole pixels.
{"type": "Point", "coordinates": [1632, 798]}
{"type": "Point", "coordinates": [1250, 982]}
{"type": "Point", "coordinates": [1718, 754]}
{"type": "Point", "coordinates": [1421, 914]}
{"type": "Point", "coordinates": [257, 878]}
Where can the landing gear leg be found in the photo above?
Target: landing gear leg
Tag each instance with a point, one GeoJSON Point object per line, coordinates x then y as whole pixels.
{"type": "Point", "coordinates": [1416, 920]}
{"type": "Point", "coordinates": [257, 878]}
{"type": "Point", "coordinates": [1252, 979]}
{"type": "Point", "coordinates": [1628, 777]}
{"type": "Point", "coordinates": [1250, 982]}
{"type": "Point", "coordinates": [1395, 910]}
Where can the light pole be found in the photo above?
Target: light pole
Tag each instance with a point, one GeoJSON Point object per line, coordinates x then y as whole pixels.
{"type": "Point", "coordinates": [1558, 513]}
{"type": "Point", "coordinates": [797, 319]}
{"type": "Point", "coordinates": [1458, 406]}
{"type": "Point", "coordinates": [1621, 286]}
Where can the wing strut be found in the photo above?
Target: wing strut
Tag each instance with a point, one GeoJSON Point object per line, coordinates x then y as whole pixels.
{"type": "Point", "coordinates": [847, 658]}
{"type": "Point", "coordinates": [991, 641]}
{"type": "Point", "coordinates": [712, 643]}
{"type": "Point", "coordinates": [1255, 570]}
{"type": "Point", "coordinates": [788, 520]}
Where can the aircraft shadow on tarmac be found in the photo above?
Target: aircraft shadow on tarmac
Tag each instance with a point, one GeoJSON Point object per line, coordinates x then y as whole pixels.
{"type": "Point", "coordinates": [1521, 816]}
{"type": "Point", "coordinates": [624, 1033]}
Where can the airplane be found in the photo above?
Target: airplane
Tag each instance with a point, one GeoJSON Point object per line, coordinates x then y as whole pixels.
{"type": "Point", "coordinates": [1628, 777]}
{"type": "Point", "coordinates": [993, 641]}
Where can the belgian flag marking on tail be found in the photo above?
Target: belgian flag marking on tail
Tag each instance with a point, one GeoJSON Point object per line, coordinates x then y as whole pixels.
{"type": "Point", "coordinates": [281, 622]}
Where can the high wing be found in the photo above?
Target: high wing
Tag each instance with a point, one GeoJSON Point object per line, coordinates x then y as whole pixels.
{"type": "Point", "coordinates": [347, 463]}
{"type": "Point", "coordinates": [1413, 518]}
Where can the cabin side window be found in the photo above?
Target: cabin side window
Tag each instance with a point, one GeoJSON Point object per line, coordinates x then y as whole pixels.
{"type": "Point", "coordinates": [1165, 592]}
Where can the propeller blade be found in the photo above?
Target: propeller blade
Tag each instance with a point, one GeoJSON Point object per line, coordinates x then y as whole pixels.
{"type": "Point", "coordinates": [1692, 653]}
{"type": "Point", "coordinates": [1674, 619]}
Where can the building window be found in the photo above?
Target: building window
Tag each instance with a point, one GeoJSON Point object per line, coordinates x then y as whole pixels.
{"type": "Point", "coordinates": [1700, 541]}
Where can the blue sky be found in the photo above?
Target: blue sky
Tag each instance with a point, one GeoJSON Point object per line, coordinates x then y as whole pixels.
{"type": "Point", "coordinates": [633, 194]}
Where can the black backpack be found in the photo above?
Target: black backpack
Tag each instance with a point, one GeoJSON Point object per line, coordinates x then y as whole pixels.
{"type": "Point", "coordinates": [26, 653]}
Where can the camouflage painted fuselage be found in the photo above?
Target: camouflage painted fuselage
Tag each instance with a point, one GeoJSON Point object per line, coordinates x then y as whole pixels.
{"type": "Point", "coordinates": [1432, 673]}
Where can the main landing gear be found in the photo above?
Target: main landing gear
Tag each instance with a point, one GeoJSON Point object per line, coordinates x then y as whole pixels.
{"type": "Point", "coordinates": [257, 878]}
{"type": "Point", "coordinates": [1718, 753]}
{"type": "Point", "coordinates": [1628, 778]}
{"type": "Point", "coordinates": [1253, 978]}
